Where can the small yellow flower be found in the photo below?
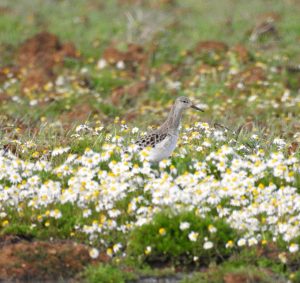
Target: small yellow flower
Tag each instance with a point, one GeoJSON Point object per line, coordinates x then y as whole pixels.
{"type": "Point", "coordinates": [118, 260]}
{"type": "Point", "coordinates": [47, 224]}
{"type": "Point", "coordinates": [35, 154]}
{"type": "Point", "coordinates": [264, 242]}
{"type": "Point", "coordinates": [109, 252]}
{"type": "Point", "coordinates": [129, 208]}
{"type": "Point", "coordinates": [162, 231]}
{"type": "Point", "coordinates": [291, 174]}
{"type": "Point", "coordinates": [147, 250]}
{"type": "Point", "coordinates": [229, 244]}
{"type": "Point", "coordinates": [48, 86]}
{"type": "Point", "coordinates": [102, 218]}
{"type": "Point", "coordinates": [292, 276]}
{"type": "Point", "coordinates": [5, 223]}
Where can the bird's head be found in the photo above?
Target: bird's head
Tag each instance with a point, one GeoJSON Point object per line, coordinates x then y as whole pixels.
{"type": "Point", "coordinates": [183, 102]}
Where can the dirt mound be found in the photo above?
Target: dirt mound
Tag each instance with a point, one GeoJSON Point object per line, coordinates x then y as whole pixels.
{"type": "Point", "coordinates": [128, 93]}
{"type": "Point", "coordinates": [249, 77]}
{"type": "Point", "coordinates": [38, 56]}
{"type": "Point", "coordinates": [135, 54]}
{"type": "Point", "coordinates": [134, 58]}
{"type": "Point", "coordinates": [204, 68]}
{"type": "Point", "coordinates": [270, 16]}
{"type": "Point", "coordinates": [241, 278]}
{"type": "Point", "coordinates": [211, 46]}
{"type": "Point", "coordinates": [5, 10]}
{"type": "Point", "coordinates": [24, 260]}
{"type": "Point", "coordinates": [79, 113]}
{"type": "Point", "coordinates": [242, 53]}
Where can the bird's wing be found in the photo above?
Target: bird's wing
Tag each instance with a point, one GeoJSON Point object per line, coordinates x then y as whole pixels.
{"type": "Point", "coordinates": [151, 140]}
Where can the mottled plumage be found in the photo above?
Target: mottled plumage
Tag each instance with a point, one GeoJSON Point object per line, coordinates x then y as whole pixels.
{"type": "Point", "coordinates": [151, 140]}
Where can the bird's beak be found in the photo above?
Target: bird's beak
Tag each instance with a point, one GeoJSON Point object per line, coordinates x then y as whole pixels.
{"type": "Point", "coordinates": [197, 108]}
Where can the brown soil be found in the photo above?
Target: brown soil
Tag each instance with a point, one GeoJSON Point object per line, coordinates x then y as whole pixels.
{"type": "Point", "coordinates": [134, 58]}
{"type": "Point", "coordinates": [130, 116]}
{"type": "Point", "coordinates": [24, 260]}
{"type": "Point", "coordinates": [38, 56]}
{"type": "Point", "coordinates": [211, 46]}
{"type": "Point", "coordinates": [3, 97]}
{"type": "Point", "coordinates": [250, 76]}
{"type": "Point", "coordinates": [166, 69]}
{"type": "Point", "coordinates": [5, 10]}
{"type": "Point", "coordinates": [205, 68]}
{"type": "Point", "coordinates": [270, 251]}
{"type": "Point", "coordinates": [8, 72]}
{"type": "Point", "coordinates": [80, 113]}
{"type": "Point", "coordinates": [269, 17]}
{"type": "Point", "coordinates": [128, 92]}
{"type": "Point", "coordinates": [242, 52]}
{"type": "Point", "coordinates": [113, 55]}
{"type": "Point", "coordinates": [174, 72]}
{"type": "Point", "coordinates": [241, 278]}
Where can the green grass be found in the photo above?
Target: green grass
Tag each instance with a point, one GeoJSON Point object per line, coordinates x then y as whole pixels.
{"type": "Point", "coordinates": [192, 20]}
{"type": "Point", "coordinates": [174, 245]}
{"type": "Point", "coordinates": [246, 273]}
{"type": "Point", "coordinates": [90, 21]}
{"type": "Point", "coordinates": [107, 274]}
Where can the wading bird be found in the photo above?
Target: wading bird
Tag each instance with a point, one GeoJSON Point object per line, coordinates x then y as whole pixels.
{"type": "Point", "coordinates": [163, 140]}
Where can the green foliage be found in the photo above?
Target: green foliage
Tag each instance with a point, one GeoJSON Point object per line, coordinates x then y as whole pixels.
{"type": "Point", "coordinates": [249, 257]}
{"type": "Point", "coordinates": [106, 274]}
{"type": "Point", "coordinates": [170, 243]}
{"type": "Point", "coordinates": [18, 229]}
{"type": "Point", "coordinates": [21, 222]}
{"type": "Point", "coordinates": [250, 274]}
{"type": "Point", "coordinates": [295, 277]}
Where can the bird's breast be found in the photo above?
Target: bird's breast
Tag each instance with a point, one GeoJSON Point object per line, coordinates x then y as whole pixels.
{"type": "Point", "coordinates": [163, 149]}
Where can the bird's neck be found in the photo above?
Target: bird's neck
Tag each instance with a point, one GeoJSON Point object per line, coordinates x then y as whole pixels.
{"type": "Point", "coordinates": [172, 122]}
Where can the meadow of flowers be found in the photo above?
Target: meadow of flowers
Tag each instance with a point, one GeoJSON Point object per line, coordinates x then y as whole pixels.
{"type": "Point", "coordinates": [111, 191]}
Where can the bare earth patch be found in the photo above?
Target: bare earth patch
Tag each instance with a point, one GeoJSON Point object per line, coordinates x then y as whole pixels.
{"type": "Point", "coordinates": [25, 260]}
{"type": "Point", "coordinates": [211, 46]}
{"type": "Point", "coordinates": [38, 56]}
